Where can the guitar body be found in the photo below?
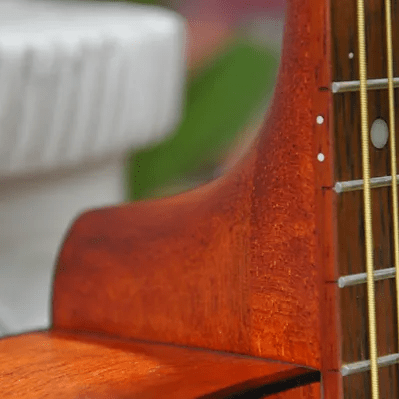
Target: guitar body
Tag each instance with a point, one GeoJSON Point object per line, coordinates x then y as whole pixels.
{"type": "Point", "coordinates": [233, 265]}
{"type": "Point", "coordinates": [179, 289]}
{"type": "Point", "coordinates": [231, 268]}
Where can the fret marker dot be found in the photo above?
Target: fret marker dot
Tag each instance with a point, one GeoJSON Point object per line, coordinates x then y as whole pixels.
{"type": "Point", "coordinates": [351, 55]}
{"type": "Point", "coordinates": [379, 133]}
{"type": "Point", "coordinates": [320, 120]}
{"type": "Point", "coordinates": [320, 157]}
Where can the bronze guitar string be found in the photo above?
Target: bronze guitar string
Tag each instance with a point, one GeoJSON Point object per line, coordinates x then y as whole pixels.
{"type": "Point", "coordinates": [367, 200]}
{"type": "Point", "coordinates": [392, 138]}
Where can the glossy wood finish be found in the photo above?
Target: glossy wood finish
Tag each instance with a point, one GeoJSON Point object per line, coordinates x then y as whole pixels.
{"type": "Point", "coordinates": [230, 266]}
{"type": "Point", "coordinates": [241, 265]}
{"type": "Point", "coordinates": [58, 365]}
{"type": "Point", "coordinates": [325, 205]}
{"type": "Point", "coordinates": [351, 255]}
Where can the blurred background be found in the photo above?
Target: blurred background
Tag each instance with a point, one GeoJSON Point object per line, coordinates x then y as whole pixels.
{"type": "Point", "coordinates": [233, 50]}
{"type": "Point", "coordinates": [103, 102]}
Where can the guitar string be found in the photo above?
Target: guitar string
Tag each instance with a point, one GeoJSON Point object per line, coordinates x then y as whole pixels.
{"type": "Point", "coordinates": [367, 200]}
{"type": "Point", "coordinates": [392, 140]}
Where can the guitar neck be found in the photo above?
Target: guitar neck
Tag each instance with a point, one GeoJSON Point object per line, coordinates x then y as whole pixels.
{"type": "Point", "coordinates": [350, 207]}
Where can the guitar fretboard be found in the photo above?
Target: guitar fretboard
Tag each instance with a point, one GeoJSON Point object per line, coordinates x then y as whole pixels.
{"type": "Point", "coordinates": [349, 187]}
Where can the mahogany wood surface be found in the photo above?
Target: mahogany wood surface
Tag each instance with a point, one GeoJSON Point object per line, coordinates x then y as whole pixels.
{"type": "Point", "coordinates": [350, 209]}
{"type": "Point", "coordinates": [241, 265]}
{"type": "Point", "coordinates": [230, 266]}
{"type": "Point", "coordinates": [58, 365]}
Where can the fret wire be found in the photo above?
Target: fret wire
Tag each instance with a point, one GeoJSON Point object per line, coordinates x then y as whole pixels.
{"type": "Point", "coordinates": [354, 85]}
{"type": "Point", "coordinates": [361, 278]}
{"type": "Point", "coordinates": [367, 200]}
{"type": "Point", "coordinates": [392, 145]}
{"type": "Point", "coordinates": [364, 365]}
{"type": "Point", "coordinates": [354, 185]}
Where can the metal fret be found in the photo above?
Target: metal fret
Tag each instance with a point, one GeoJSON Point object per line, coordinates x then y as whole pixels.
{"type": "Point", "coordinates": [364, 365]}
{"type": "Point", "coordinates": [354, 185]}
{"type": "Point", "coordinates": [361, 278]}
{"type": "Point", "coordinates": [354, 85]}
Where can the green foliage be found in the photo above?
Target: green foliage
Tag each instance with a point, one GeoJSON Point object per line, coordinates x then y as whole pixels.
{"type": "Point", "coordinates": [220, 100]}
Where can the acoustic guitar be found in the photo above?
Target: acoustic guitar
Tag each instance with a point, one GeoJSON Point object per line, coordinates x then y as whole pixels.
{"type": "Point", "coordinates": [276, 279]}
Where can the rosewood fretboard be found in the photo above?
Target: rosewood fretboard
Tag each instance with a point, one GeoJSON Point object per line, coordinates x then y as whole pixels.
{"type": "Point", "coordinates": [348, 167]}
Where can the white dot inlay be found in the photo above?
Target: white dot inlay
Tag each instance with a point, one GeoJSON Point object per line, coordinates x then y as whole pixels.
{"type": "Point", "coordinates": [351, 55]}
{"type": "Point", "coordinates": [320, 157]}
{"type": "Point", "coordinates": [320, 120]}
{"type": "Point", "coordinates": [379, 133]}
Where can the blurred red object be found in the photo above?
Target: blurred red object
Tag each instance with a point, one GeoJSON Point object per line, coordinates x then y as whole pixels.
{"type": "Point", "coordinates": [211, 23]}
{"type": "Point", "coordinates": [205, 39]}
{"type": "Point", "coordinates": [228, 10]}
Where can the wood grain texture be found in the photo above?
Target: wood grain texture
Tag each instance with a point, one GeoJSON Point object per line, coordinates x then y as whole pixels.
{"type": "Point", "coordinates": [240, 265]}
{"type": "Point", "coordinates": [230, 266]}
{"type": "Point", "coordinates": [326, 209]}
{"type": "Point", "coordinates": [57, 365]}
{"type": "Point", "coordinates": [353, 306]}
